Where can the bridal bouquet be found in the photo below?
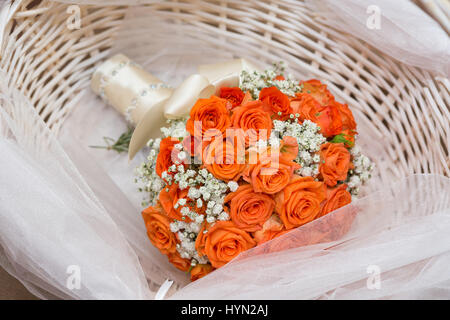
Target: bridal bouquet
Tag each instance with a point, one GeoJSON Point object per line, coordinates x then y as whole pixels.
{"type": "Point", "coordinates": [247, 165]}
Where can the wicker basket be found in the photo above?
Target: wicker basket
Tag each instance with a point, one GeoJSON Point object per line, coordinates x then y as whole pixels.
{"type": "Point", "coordinates": [403, 108]}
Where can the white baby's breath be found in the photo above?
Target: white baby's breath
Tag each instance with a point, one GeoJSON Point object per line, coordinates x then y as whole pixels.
{"type": "Point", "coordinates": [233, 185]}
{"type": "Point", "coordinates": [361, 172]}
{"type": "Point", "coordinates": [255, 81]}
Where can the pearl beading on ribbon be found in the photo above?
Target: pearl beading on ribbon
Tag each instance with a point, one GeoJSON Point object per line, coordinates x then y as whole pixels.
{"type": "Point", "coordinates": [144, 92]}
{"type": "Point", "coordinates": [126, 86]}
{"type": "Point", "coordinates": [146, 102]}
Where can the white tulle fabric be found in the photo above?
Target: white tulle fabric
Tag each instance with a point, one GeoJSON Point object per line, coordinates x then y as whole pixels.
{"type": "Point", "coordinates": [51, 220]}
{"type": "Point", "coordinates": [400, 231]}
{"type": "Point", "coordinates": [64, 204]}
{"type": "Point", "coordinates": [398, 28]}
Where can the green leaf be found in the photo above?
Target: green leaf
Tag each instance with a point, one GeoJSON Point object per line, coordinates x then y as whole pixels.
{"type": "Point", "coordinates": [340, 138]}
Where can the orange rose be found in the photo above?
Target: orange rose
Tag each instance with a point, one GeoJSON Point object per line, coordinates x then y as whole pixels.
{"type": "Point", "coordinates": [200, 242]}
{"type": "Point", "coordinates": [317, 104]}
{"type": "Point", "coordinates": [224, 241]}
{"type": "Point", "coordinates": [289, 148]}
{"type": "Point", "coordinates": [158, 230]}
{"type": "Point", "coordinates": [194, 145]}
{"type": "Point", "coordinates": [334, 163]}
{"type": "Point", "coordinates": [330, 228]}
{"type": "Point", "coordinates": [208, 117]}
{"type": "Point", "coordinates": [348, 122]}
{"type": "Point", "coordinates": [326, 117]}
{"type": "Point", "coordinates": [349, 137]}
{"type": "Point", "coordinates": [253, 120]}
{"type": "Point", "coordinates": [306, 106]}
{"type": "Point", "coordinates": [336, 198]}
{"type": "Point", "coordinates": [200, 270]}
{"type": "Point", "coordinates": [179, 262]}
{"type": "Point", "coordinates": [169, 198]}
{"type": "Point", "coordinates": [270, 174]}
{"type": "Point", "coordinates": [276, 102]}
{"type": "Point", "coordinates": [272, 229]}
{"type": "Point", "coordinates": [247, 98]}
{"type": "Point", "coordinates": [234, 95]}
{"type": "Point", "coordinates": [225, 159]}
{"type": "Point", "coordinates": [318, 91]}
{"type": "Point", "coordinates": [329, 120]}
{"type": "Point", "coordinates": [299, 202]}
{"type": "Point", "coordinates": [167, 155]}
{"type": "Point", "coordinates": [249, 210]}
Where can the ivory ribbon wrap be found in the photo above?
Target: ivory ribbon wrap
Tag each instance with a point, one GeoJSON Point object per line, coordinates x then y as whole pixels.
{"type": "Point", "coordinates": [147, 102]}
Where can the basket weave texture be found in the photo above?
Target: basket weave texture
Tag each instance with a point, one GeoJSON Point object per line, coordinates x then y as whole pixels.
{"type": "Point", "coordinates": [404, 109]}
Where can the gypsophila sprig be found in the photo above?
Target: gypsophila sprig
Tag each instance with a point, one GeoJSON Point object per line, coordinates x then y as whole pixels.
{"type": "Point", "coordinates": [147, 179]}
{"type": "Point", "coordinates": [308, 139]}
{"type": "Point", "coordinates": [176, 128]}
{"type": "Point", "coordinates": [255, 81]}
{"type": "Point", "coordinates": [361, 173]}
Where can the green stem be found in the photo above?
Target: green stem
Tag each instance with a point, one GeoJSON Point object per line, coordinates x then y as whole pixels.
{"type": "Point", "coordinates": [122, 143]}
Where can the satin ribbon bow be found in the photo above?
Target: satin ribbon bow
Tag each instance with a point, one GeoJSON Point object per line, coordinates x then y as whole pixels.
{"type": "Point", "coordinates": [147, 102]}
